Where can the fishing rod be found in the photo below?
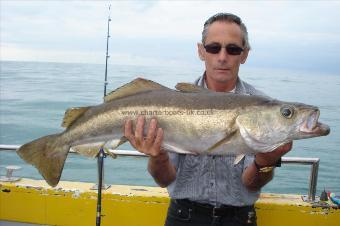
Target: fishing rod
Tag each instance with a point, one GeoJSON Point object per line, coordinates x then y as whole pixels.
{"type": "Point", "coordinates": [107, 49]}
{"type": "Point", "coordinates": [101, 155]}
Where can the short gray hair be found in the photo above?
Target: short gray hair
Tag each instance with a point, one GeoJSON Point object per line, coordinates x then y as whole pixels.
{"type": "Point", "coordinates": [227, 17]}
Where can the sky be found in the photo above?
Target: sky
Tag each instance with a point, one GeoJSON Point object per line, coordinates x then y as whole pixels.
{"type": "Point", "coordinates": [284, 34]}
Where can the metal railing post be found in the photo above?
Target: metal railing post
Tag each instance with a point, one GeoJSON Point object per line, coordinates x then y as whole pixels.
{"type": "Point", "coordinates": [313, 179]}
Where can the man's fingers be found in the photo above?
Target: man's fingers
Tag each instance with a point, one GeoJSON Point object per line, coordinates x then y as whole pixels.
{"type": "Point", "coordinates": [128, 128]}
{"type": "Point", "coordinates": [158, 141]}
{"type": "Point", "coordinates": [128, 132]}
{"type": "Point", "coordinates": [139, 131]}
{"type": "Point", "coordinates": [151, 133]}
{"type": "Point", "coordinates": [270, 158]}
{"type": "Point", "coordinates": [285, 148]}
{"type": "Point", "coordinates": [152, 144]}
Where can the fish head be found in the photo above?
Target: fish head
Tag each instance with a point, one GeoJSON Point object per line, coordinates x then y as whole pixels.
{"type": "Point", "coordinates": [270, 125]}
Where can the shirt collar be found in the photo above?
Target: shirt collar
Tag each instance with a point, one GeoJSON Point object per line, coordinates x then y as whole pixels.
{"type": "Point", "coordinates": [202, 83]}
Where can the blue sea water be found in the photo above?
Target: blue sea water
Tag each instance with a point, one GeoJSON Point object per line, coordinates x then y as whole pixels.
{"type": "Point", "coordinates": [34, 96]}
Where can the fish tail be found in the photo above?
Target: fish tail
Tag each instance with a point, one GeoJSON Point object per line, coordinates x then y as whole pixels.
{"type": "Point", "coordinates": [48, 155]}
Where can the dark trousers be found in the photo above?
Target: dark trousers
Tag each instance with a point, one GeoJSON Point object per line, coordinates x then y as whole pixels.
{"type": "Point", "coordinates": [182, 212]}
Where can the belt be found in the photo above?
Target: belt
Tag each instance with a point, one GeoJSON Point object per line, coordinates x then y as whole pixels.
{"type": "Point", "coordinates": [211, 210]}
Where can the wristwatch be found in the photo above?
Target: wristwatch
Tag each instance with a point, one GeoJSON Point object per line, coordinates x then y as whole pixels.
{"type": "Point", "coordinates": [267, 169]}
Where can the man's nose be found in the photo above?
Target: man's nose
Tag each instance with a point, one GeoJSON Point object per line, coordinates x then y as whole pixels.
{"type": "Point", "coordinates": [223, 55]}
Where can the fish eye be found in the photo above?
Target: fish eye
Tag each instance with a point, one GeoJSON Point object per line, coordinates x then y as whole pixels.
{"type": "Point", "coordinates": [287, 112]}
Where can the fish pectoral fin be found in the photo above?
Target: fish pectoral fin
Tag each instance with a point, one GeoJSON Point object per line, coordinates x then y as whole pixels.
{"type": "Point", "coordinates": [92, 149]}
{"type": "Point", "coordinates": [172, 148]}
{"type": "Point", "coordinates": [221, 142]}
{"type": "Point", "coordinates": [239, 158]}
{"type": "Point", "coordinates": [72, 114]}
{"type": "Point", "coordinates": [190, 88]}
{"type": "Point", "coordinates": [138, 85]}
{"type": "Point", "coordinates": [113, 144]}
{"type": "Point", "coordinates": [89, 150]}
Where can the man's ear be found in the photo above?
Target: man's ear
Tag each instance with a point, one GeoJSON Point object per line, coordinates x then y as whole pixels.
{"type": "Point", "coordinates": [244, 56]}
{"type": "Point", "coordinates": [200, 51]}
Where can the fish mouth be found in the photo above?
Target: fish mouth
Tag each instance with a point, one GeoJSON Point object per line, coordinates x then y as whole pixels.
{"type": "Point", "coordinates": [311, 126]}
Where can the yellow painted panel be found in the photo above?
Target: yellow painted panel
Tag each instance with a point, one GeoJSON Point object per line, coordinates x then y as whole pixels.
{"type": "Point", "coordinates": [63, 208]}
{"type": "Point", "coordinates": [21, 204]}
{"type": "Point", "coordinates": [283, 210]}
{"type": "Point", "coordinates": [73, 203]}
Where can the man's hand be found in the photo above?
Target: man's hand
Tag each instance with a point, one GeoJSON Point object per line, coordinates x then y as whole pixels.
{"type": "Point", "coordinates": [149, 145]}
{"type": "Point", "coordinates": [159, 165]}
{"type": "Point", "coordinates": [270, 158]}
{"type": "Point", "coordinates": [253, 180]}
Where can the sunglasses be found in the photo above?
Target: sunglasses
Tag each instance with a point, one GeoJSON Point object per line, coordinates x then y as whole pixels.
{"type": "Point", "coordinates": [216, 48]}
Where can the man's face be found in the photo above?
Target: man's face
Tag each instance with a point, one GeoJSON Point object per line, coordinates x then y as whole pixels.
{"type": "Point", "coordinates": [222, 68]}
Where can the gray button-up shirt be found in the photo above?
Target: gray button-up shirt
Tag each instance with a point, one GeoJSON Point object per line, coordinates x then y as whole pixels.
{"type": "Point", "coordinates": [213, 179]}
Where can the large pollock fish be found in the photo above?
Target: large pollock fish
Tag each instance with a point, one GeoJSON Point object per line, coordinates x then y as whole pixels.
{"type": "Point", "coordinates": [194, 120]}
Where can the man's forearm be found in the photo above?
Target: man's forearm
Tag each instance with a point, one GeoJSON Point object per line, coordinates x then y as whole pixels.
{"type": "Point", "coordinates": [162, 170]}
{"type": "Point", "coordinates": [254, 180]}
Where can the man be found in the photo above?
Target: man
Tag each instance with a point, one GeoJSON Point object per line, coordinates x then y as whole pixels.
{"type": "Point", "coordinates": [210, 190]}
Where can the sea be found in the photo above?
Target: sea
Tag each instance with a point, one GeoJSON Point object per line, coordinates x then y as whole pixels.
{"type": "Point", "coordinates": [35, 95]}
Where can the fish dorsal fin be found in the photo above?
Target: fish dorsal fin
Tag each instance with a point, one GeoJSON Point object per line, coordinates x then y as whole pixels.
{"type": "Point", "coordinates": [190, 88]}
{"type": "Point", "coordinates": [136, 86]}
{"type": "Point", "coordinates": [72, 114]}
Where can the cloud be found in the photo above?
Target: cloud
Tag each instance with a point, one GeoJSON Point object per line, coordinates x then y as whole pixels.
{"type": "Point", "coordinates": [23, 53]}
{"type": "Point", "coordinates": [160, 32]}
